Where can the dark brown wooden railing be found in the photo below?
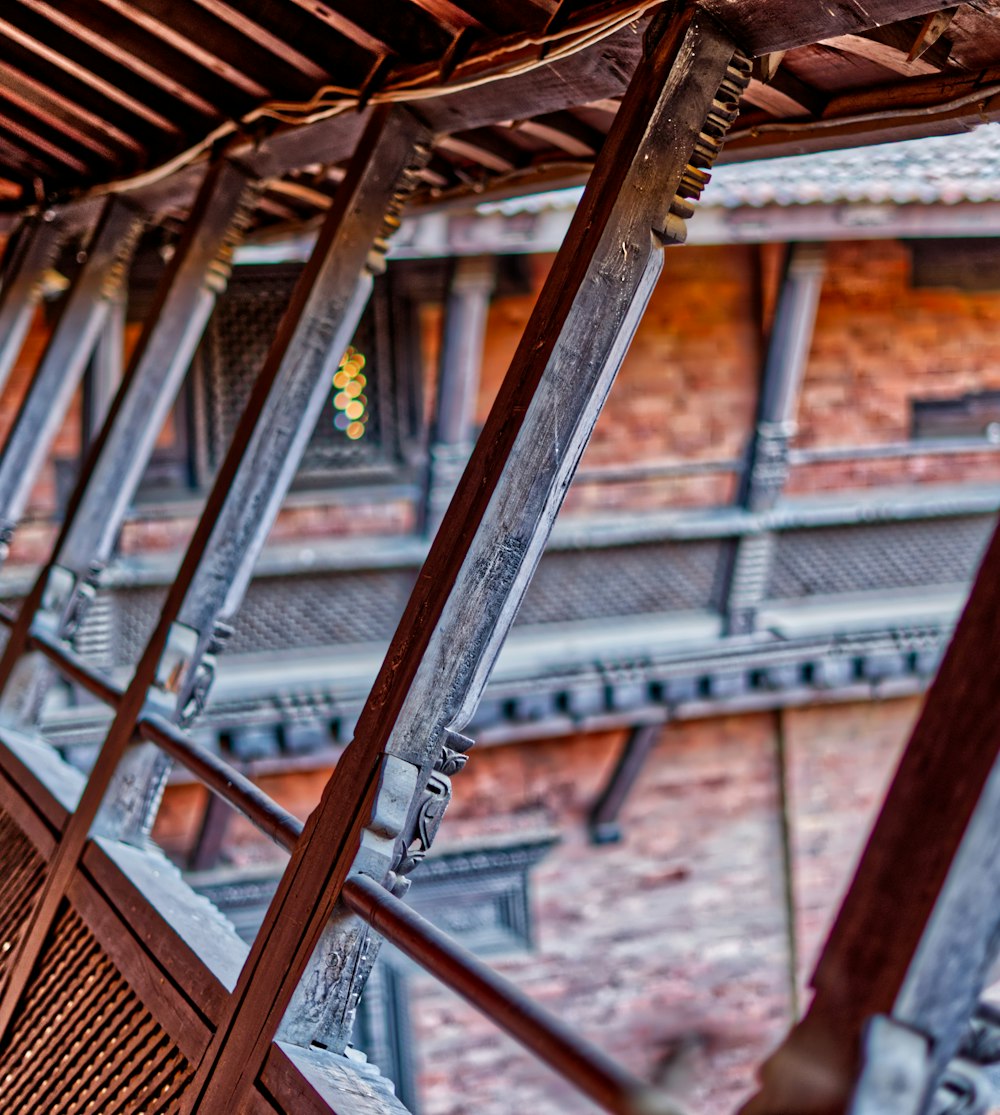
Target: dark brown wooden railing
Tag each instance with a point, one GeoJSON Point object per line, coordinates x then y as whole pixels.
{"type": "Point", "coordinates": [584, 1065]}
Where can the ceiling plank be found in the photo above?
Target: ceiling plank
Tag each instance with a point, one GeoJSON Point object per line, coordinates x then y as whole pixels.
{"type": "Point", "coordinates": [247, 22]}
{"type": "Point", "coordinates": [246, 56]}
{"type": "Point", "coordinates": [510, 17]}
{"type": "Point", "coordinates": [483, 147]}
{"type": "Point", "coordinates": [62, 136]}
{"type": "Point", "coordinates": [564, 131]}
{"type": "Point", "coordinates": [395, 26]}
{"type": "Point", "coordinates": [198, 52]}
{"type": "Point", "coordinates": [89, 127]}
{"type": "Point", "coordinates": [90, 79]}
{"type": "Point", "coordinates": [31, 140]}
{"type": "Point", "coordinates": [765, 26]}
{"type": "Point", "coordinates": [886, 55]}
{"type": "Point", "coordinates": [156, 88]}
{"type": "Point", "coordinates": [785, 95]}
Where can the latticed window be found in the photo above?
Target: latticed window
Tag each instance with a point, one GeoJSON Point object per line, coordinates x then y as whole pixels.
{"type": "Point", "coordinates": [370, 426]}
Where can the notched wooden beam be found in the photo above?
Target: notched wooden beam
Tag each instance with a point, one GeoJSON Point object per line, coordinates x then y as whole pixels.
{"type": "Point", "coordinates": [765, 26]}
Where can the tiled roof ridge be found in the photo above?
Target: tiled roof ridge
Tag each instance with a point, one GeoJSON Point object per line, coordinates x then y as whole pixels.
{"type": "Point", "coordinates": [942, 170]}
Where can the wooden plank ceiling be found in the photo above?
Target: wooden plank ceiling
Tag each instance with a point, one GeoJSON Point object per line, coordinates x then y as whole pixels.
{"type": "Point", "coordinates": [522, 92]}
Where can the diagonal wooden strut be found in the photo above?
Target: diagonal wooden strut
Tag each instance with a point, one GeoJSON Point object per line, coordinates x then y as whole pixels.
{"type": "Point", "coordinates": [184, 301]}
{"type": "Point", "coordinates": [196, 275]}
{"type": "Point", "coordinates": [30, 254]}
{"type": "Point", "coordinates": [73, 340]}
{"type": "Point", "coordinates": [482, 560]}
{"type": "Point", "coordinates": [266, 449]}
{"type": "Point", "coordinates": [921, 920]}
{"type": "Point", "coordinates": [278, 421]}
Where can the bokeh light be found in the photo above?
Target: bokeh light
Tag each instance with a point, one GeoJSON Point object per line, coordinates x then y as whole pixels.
{"type": "Point", "coordinates": [349, 401]}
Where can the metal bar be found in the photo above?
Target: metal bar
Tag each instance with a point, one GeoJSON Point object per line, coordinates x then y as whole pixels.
{"type": "Point", "coordinates": [584, 1065]}
{"type": "Point", "coordinates": [385, 798]}
{"type": "Point", "coordinates": [75, 668]}
{"type": "Point", "coordinates": [69, 348]}
{"type": "Point", "coordinates": [224, 780]}
{"type": "Point", "coordinates": [22, 288]}
{"type": "Point", "coordinates": [196, 274]}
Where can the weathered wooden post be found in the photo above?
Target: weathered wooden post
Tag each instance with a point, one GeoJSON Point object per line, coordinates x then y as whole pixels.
{"type": "Point", "coordinates": [466, 310]}
{"type": "Point", "coordinates": [30, 253]}
{"type": "Point", "coordinates": [384, 802]}
{"type": "Point", "coordinates": [97, 285]}
{"type": "Point", "coordinates": [766, 470]}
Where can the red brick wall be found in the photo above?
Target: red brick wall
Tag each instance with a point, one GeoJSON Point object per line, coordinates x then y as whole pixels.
{"type": "Point", "coordinates": [680, 929]}
{"type": "Point", "coordinates": [878, 344]}
{"type": "Point", "coordinates": [687, 390]}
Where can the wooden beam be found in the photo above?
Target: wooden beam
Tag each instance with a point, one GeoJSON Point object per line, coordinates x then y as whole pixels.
{"type": "Point", "coordinates": [941, 104]}
{"type": "Point", "coordinates": [763, 479]}
{"type": "Point", "coordinates": [565, 131]}
{"type": "Point", "coordinates": [602, 821]}
{"type": "Point", "coordinates": [466, 310]}
{"type": "Point", "coordinates": [32, 255]}
{"type": "Point", "coordinates": [163, 90]}
{"type": "Point", "coordinates": [887, 55]}
{"type": "Point", "coordinates": [784, 95]}
{"type": "Point", "coordinates": [267, 446]}
{"type": "Point", "coordinates": [766, 26]}
{"type": "Point", "coordinates": [922, 906]}
{"type": "Point", "coordinates": [73, 340]}
{"type": "Point", "coordinates": [479, 566]}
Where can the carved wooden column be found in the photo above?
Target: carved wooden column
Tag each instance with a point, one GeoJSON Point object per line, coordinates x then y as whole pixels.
{"type": "Point", "coordinates": [382, 806]}
{"type": "Point", "coordinates": [466, 310]}
{"type": "Point", "coordinates": [767, 457]}
{"type": "Point", "coordinates": [108, 363]}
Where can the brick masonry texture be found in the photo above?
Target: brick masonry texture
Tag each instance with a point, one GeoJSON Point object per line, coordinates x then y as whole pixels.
{"type": "Point", "coordinates": [676, 937]}
{"type": "Point", "coordinates": [680, 931]}
{"type": "Point", "coordinates": [687, 390]}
